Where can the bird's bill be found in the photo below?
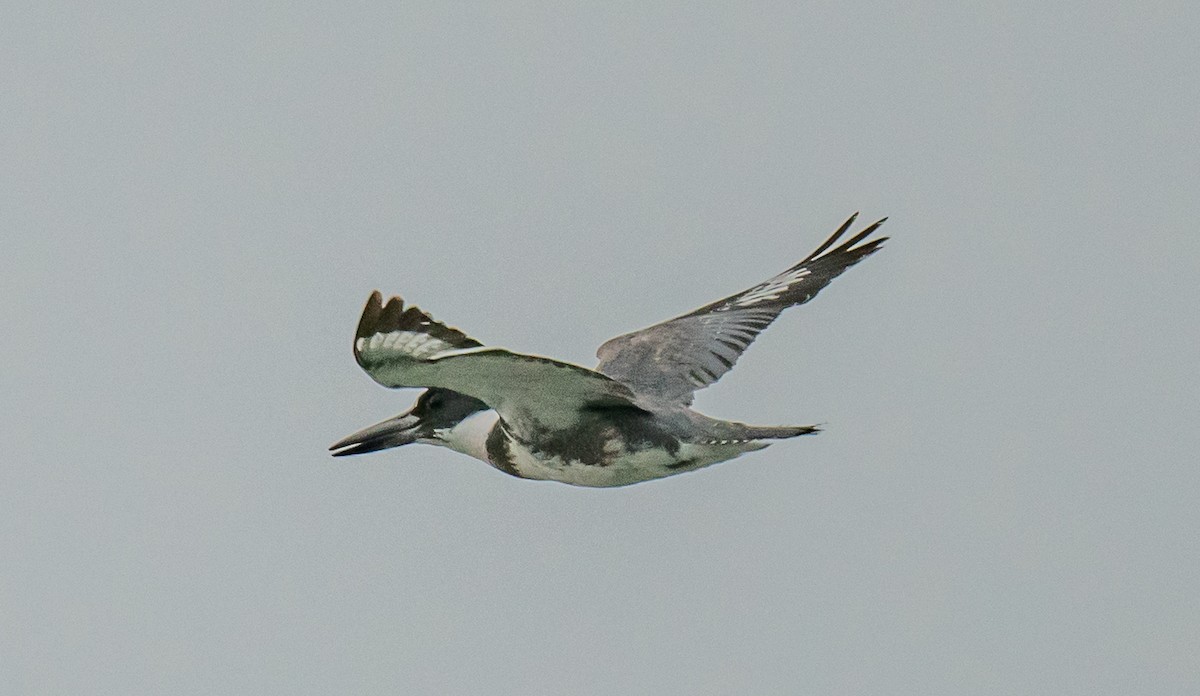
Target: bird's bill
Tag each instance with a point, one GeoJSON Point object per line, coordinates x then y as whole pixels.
{"type": "Point", "coordinates": [393, 432]}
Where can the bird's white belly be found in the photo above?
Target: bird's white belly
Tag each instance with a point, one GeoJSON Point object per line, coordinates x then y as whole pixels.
{"type": "Point", "coordinates": [629, 467]}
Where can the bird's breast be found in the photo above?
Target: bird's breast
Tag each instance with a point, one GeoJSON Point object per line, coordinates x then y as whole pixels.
{"type": "Point", "coordinates": [608, 463]}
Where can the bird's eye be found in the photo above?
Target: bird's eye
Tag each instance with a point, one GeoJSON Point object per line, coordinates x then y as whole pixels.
{"type": "Point", "coordinates": [433, 402]}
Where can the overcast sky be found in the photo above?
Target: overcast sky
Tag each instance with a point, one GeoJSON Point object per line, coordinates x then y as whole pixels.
{"type": "Point", "coordinates": [197, 199]}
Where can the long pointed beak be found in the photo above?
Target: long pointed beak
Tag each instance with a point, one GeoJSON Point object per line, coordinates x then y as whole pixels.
{"type": "Point", "coordinates": [392, 432]}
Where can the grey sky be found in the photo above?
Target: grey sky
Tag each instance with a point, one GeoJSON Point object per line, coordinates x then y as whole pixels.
{"type": "Point", "coordinates": [197, 199]}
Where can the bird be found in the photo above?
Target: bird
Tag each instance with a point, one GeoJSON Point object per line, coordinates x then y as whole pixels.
{"type": "Point", "coordinates": [626, 421]}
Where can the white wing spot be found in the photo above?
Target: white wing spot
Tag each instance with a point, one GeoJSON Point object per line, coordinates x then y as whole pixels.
{"type": "Point", "coordinates": [408, 343]}
{"type": "Point", "coordinates": [772, 289]}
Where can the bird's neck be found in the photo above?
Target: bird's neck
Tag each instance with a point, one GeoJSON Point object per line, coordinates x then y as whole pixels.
{"type": "Point", "coordinates": [470, 435]}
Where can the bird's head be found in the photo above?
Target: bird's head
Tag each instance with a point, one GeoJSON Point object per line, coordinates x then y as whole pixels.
{"type": "Point", "coordinates": [431, 418]}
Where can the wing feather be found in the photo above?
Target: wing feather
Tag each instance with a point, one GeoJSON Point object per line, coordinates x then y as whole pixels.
{"type": "Point", "coordinates": [673, 359]}
{"type": "Point", "coordinates": [401, 347]}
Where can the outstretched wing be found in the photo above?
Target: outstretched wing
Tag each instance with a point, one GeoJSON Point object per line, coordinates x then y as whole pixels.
{"type": "Point", "coordinates": [673, 359]}
{"type": "Point", "coordinates": [401, 347]}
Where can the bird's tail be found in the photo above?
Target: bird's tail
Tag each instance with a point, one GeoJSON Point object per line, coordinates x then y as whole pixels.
{"type": "Point", "coordinates": [740, 432]}
{"type": "Point", "coordinates": [779, 432]}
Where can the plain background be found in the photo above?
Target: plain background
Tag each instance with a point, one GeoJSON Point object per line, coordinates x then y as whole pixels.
{"type": "Point", "coordinates": [198, 197]}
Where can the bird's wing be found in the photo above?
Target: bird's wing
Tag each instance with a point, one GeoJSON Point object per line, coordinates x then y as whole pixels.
{"type": "Point", "coordinates": [401, 347]}
{"type": "Point", "coordinates": [673, 359]}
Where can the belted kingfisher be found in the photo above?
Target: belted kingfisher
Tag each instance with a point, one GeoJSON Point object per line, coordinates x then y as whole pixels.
{"type": "Point", "coordinates": [628, 420]}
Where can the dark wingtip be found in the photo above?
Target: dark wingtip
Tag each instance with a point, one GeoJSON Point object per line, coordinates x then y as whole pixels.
{"type": "Point", "coordinates": [849, 245]}
{"type": "Point", "coordinates": [368, 321]}
{"type": "Point", "coordinates": [379, 317]}
{"type": "Point", "coordinates": [832, 238]}
{"type": "Point", "coordinates": [370, 315]}
{"type": "Point", "coordinates": [389, 318]}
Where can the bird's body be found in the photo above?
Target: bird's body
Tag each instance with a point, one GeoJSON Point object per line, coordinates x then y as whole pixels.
{"type": "Point", "coordinates": [627, 421]}
{"type": "Point", "coordinates": [607, 451]}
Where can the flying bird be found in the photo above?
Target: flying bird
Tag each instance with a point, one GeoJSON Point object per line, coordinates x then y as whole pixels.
{"type": "Point", "coordinates": [626, 421]}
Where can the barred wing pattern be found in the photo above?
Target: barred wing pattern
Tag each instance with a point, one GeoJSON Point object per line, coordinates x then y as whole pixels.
{"type": "Point", "coordinates": [401, 347]}
{"type": "Point", "coordinates": [673, 359]}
